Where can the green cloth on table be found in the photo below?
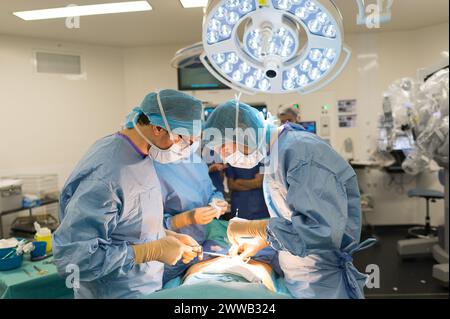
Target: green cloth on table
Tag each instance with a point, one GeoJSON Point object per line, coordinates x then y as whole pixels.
{"type": "Point", "coordinates": [217, 231]}
{"type": "Point", "coordinates": [17, 284]}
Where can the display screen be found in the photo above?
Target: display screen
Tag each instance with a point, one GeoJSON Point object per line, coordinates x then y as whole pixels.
{"type": "Point", "coordinates": [310, 126]}
{"type": "Point", "coordinates": [402, 143]}
{"type": "Point", "coordinates": [197, 77]}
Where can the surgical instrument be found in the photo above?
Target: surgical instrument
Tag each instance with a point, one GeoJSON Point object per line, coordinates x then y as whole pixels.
{"type": "Point", "coordinates": [216, 254]}
{"type": "Point", "coordinates": [40, 271]}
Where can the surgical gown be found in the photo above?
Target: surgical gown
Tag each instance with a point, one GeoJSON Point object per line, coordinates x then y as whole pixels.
{"type": "Point", "coordinates": [314, 201]}
{"type": "Point", "coordinates": [185, 186]}
{"type": "Point", "coordinates": [111, 201]}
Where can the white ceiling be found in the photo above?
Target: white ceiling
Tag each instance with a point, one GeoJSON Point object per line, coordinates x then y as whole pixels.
{"type": "Point", "coordinates": [170, 23]}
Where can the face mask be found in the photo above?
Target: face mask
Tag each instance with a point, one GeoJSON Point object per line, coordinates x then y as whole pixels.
{"type": "Point", "coordinates": [176, 152]}
{"type": "Point", "coordinates": [239, 159]}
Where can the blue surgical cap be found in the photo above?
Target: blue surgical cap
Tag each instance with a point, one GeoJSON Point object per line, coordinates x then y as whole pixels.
{"type": "Point", "coordinates": [224, 117]}
{"type": "Point", "coordinates": [183, 112]}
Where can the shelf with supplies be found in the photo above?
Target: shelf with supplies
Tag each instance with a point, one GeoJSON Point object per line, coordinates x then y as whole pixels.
{"type": "Point", "coordinates": [35, 193]}
{"type": "Point", "coordinates": [44, 202]}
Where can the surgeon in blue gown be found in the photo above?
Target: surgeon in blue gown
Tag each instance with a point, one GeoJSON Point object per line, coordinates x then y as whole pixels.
{"type": "Point", "coordinates": [111, 238]}
{"type": "Point", "coordinates": [313, 199]}
{"type": "Point", "coordinates": [187, 192]}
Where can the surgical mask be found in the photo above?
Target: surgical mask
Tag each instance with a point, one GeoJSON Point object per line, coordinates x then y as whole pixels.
{"type": "Point", "coordinates": [239, 159]}
{"type": "Point", "coordinates": [176, 152]}
{"type": "Point", "coordinates": [173, 154]}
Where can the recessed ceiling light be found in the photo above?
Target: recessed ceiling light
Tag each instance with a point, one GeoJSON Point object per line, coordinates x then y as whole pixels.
{"type": "Point", "coordinates": [194, 3]}
{"type": "Point", "coordinates": [87, 10]}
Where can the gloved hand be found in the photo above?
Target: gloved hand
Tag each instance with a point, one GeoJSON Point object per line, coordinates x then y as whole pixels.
{"type": "Point", "coordinates": [241, 228]}
{"type": "Point", "coordinates": [189, 241]}
{"type": "Point", "coordinates": [199, 216]}
{"type": "Point", "coordinates": [168, 250]}
{"type": "Point", "coordinates": [248, 248]}
{"type": "Point", "coordinates": [222, 205]}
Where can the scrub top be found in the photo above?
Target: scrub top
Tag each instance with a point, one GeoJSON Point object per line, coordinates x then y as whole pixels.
{"type": "Point", "coordinates": [111, 201]}
{"type": "Point", "coordinates": [186, 186]}
{"type": "Point", "coordinates": [217, 180]}
{"type": "Point", "coordinates": [250, 203]}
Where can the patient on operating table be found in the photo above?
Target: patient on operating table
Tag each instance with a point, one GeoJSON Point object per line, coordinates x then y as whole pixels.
{"type": "Point", "coordinates": [230, 269]}
{"type": "Point", "coordinates": [262, 269]}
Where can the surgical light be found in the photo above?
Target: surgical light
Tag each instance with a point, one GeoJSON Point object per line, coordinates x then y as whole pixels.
{"type": "Point", "coordinates": [274, 46]}
{"type": "Point", "coordinates": [86, 10]}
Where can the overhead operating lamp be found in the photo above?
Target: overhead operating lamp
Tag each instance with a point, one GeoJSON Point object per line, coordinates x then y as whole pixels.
{"type": "Point", "coordinates": [274, 46]}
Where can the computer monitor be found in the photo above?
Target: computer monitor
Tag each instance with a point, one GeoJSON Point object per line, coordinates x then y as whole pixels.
{"type": "Point", "coordinates": [402, 143]}
{"type": "Point", "coordinates": [310, 126]}
{"type": "Point", "coordinates": [196, 77]}
{"type": "Point", "coordinates": [402, 147]}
